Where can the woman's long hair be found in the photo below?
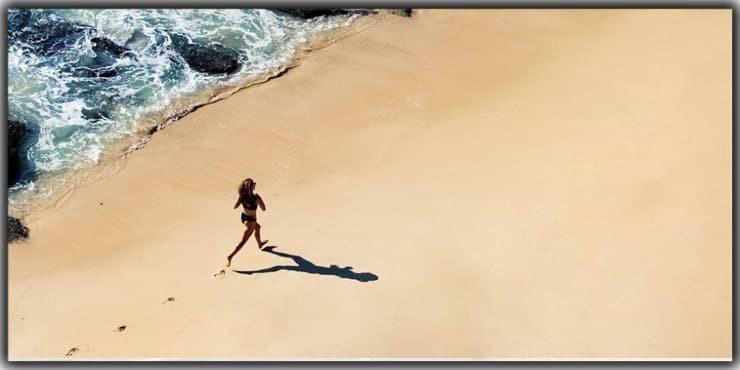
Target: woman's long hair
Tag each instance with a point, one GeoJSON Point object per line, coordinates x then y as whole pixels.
{"type": "Point", "coordinates": [245, 190]}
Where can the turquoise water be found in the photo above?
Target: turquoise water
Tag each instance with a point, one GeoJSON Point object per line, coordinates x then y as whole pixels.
{"type": "Point", "coordinates": [79, 116]}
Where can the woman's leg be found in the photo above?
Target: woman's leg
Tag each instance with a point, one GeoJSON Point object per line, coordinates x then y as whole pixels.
{"type": "Point", "coordinates": [257, 235]}
{"type": "Point", "coordinates": [245, 237]}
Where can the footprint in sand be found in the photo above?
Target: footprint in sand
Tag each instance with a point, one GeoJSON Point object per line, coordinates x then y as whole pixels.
{"type": "Point", "coordinates": [121, 328]}
{"type": "Point", "coordinates": [169, 299]}
{"type": "Point", "coordinates": [71, 351]}
{"type": "Point", "coordinates": [220, 273]}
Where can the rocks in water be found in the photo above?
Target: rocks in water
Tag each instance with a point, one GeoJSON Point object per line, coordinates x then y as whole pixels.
{"type": "Point", "coordinates": [19, 136]}
{"type": "Point", "coordinates": [103, 72]}
{"type": "Point", "coordinates": [100, 64]}
{"type": "Point", "coordinates": [305, 13]}
{"type": "Point", "coordinates": [94, 114]}
{"type": "Point", "coordinates": [312, 13]}
{"type": "Point", "coordinates": [213, 58]}
{"type": "Point", "coordinates": [107, 72]}
{"type": "Point", "coordinates": [16, 132]}
{"type": "Point", "coordinates": [405, 12]}
{"type": "Point", "coordinates": [107, 51]}
{"type": "Point", "coordinates": [102, 44]}
{"type": "Point", "coordinates": [44, 35]}
{"type": "Point", "coordinates": [16, 230]}
{"type": "Point", "coordinates": [48, 35]}
{"type": "Point", "coordinates": [18, 19]}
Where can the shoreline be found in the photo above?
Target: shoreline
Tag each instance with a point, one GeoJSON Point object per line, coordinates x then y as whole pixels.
{"type": "Point", "coordinates": [512, 199]}
{"type": "Point", "coordinates": [114, 159]}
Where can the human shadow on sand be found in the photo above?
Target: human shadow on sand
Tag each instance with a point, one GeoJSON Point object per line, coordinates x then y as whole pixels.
{"type": "Point", "coordinates": [305, 265]}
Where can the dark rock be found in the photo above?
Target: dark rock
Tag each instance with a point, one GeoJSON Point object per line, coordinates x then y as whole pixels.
{"type": "Point", "coordinates": [101, 64]}
{"type": "Point", "coordinates": [304, 13]}
{"type": "Point", "coordinates": [213, 58]}
{"type": "Point", "coordinates": [102, 44]}
{"type": "Point", "coordinates": [312, 13]}
{"type": "Point", "coordinates": [16, 132]}
{"type": "Point", "coordinates": [18, 18]}
{"type": "Point", "coordinates": [405, 12]}
{"type": "Point", "coordinates": [121, 328]}
{"type": "Point", "coordinates": [94, 114]}
{"type": "Point", "coordinates": [20, 137]}
{"type": "Point", "coordinates": [106, 72]}
{"type": "Point", "coordinates": [98, 106]}
{"type": "Point", "coordinates": [101, 72]}
{"type": "Point", "coordinates": [45, 35]}
{"type": "Point", "coordinates": [16, 230]}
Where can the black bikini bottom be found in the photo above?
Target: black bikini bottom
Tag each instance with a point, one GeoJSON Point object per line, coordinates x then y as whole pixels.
{"type": "Point", "coordinates": [248, 218]}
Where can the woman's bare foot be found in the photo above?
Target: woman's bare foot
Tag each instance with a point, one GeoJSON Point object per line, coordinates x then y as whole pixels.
{"type": "Point", "coordinates": [228, 261]}
{"type": "Point", "coordinates": [263, 243]}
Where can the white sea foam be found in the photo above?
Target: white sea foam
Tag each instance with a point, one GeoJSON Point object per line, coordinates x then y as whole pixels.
{"type": "Point", "coordinates": [79, 118]}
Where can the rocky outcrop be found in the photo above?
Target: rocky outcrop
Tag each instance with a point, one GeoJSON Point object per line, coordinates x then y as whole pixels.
{"type": "Point", "coordinates": [305, 13]}
{"type": "Point", "coordinates": [101, 63]}
{"type": "Point", "coordinates": [17, 19]}
{"type": "Point", "coordinates": [405, 12]}
{"type": "Point", "coordinates": [95, 115]}
{"type": "Point", "coordinates": [43, 35]}
{"type": "Point", "coordinates": [104, 45]}
{"type": "Point", "coordinates": [212, 58]}
{"type": "Point", "coordinates": [16, 230]}
{"type": "Point", "coordinates": [49, 35]}
{"type": "Point", "coordinates": [17, 149]}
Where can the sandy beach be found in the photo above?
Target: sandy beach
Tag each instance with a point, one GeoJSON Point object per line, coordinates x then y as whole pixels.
{"type": "Point", "coordinates": [515, 184]}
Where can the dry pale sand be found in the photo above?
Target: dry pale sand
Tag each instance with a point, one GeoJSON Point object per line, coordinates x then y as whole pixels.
{"type": "Point", "coordinates": [523, 183]}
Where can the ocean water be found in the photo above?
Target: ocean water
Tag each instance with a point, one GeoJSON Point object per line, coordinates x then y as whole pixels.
{"type": "Point", "coordinates": [84, 104]}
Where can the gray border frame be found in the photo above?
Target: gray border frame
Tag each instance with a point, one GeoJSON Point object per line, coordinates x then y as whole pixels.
{"type": "Point", "coordinates": [447, 4]}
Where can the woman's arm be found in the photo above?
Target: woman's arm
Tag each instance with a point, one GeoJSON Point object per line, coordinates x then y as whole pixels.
{"type": "Point", "coordinates": [261, 203]}
{"type": "Point", "coordinates": [238, 201]}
